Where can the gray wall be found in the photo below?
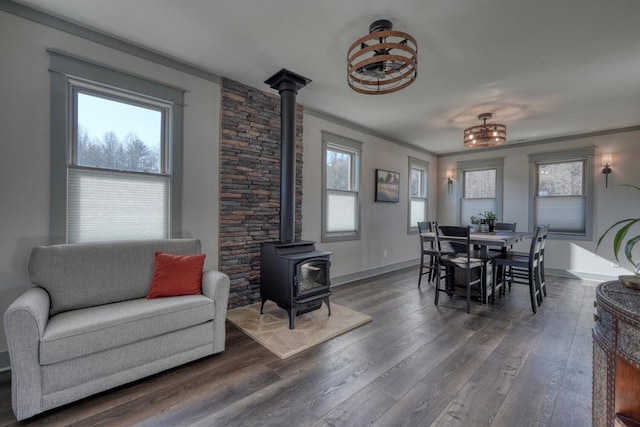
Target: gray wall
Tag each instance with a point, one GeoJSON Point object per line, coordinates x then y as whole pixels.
{"type": "Point", "coordinates": [24, 144]}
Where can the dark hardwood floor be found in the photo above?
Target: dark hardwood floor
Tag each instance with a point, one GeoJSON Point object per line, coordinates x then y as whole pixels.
{"type": "Point", "coordinates": [415, 364]}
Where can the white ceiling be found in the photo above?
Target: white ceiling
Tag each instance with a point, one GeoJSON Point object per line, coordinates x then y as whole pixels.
{"type": "Point", "coordinates": [545, 68]}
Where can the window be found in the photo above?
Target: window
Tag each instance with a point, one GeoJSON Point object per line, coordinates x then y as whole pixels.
{"type": "Point", "coordinates": [341, 188]}
{"type": "Point", "coordinates": [116, 154]}
{"type": "Point", "coordinates": [562, 187]}
{"type": "Point", "coordinates": [418, 180]}
{"type": "Point", "coordinates": [480, 184]}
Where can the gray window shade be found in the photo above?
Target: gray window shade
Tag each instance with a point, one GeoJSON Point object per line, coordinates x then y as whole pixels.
{"type": "Point", "coordinates": [563, 214]}
{"type": "Point", "coordinates": [472, 207]}
{"type": "Point", "coordinates": [107, 205]}
{"type": "Point", "coordinates": [342, 208]}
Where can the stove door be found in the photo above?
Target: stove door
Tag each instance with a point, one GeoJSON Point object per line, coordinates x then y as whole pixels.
{"type": "Point", "coordinates": [312, 276]}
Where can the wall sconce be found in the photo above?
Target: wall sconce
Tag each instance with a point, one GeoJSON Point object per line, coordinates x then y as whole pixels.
{"type": "Point", "coordinates": [449, 180]}
{"type": "Point", "coordinates": [607, 161]}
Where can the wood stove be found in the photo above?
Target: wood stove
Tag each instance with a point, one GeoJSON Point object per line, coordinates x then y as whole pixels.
{"type": "Point", "coordinates": [293, 274]}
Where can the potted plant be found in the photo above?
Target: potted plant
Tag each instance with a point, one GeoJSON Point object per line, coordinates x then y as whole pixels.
{"type": "Point", "coordinates": [489, 219]}
{"type": "Point", "coordinates": [620, 235]}
{"type": "Point", "coordinates": [475, 224]}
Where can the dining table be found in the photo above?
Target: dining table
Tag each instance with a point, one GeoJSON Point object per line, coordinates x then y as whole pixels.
{"type": "Point", "coordinates": [499, 239]}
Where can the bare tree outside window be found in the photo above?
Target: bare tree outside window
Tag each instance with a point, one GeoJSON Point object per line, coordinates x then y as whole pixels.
{"type": "Point", "coordinates": [480, 184]}
{"type": "Point", "coordinates": [135, 151]}
{"type": "Point", "coordinates": [416, 183]}
{"type": "Point", "coordinates": [339, 170]}
{"type": "Point", "coordinates": [561, 179]}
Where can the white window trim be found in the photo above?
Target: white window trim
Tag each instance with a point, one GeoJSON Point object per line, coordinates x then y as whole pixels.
{"type": "Point", "coordinates": [423, 165]}
{"type": "Point", "coordinates": [586, 154]}
{"type": "Point", "coordinates": [346, 144]}
{"type": "Point", "coordinates": [474, 165]}
{"type": "Point", "coordinates": [65, 68]}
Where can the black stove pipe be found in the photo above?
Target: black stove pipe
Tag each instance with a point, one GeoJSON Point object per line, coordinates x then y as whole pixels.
{"type": "Point", "coordinates": [287, 84]}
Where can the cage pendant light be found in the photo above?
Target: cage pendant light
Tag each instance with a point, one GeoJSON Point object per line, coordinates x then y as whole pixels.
{"type": "Point", "coordinates": [383, 61]}
{"type": "Point", "coordinates": [486, 134]}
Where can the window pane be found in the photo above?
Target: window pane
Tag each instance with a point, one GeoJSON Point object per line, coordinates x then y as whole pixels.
{"type": "Point", "coordinates": [341, 212]}
{"type": "Point", "coordinates": [561, 179]}
{"type": "Point", "coordinates": [480, 184]}
{"type": "Point", "coordinates": [339, 170]}
{"type": "Point", "coordinates": [472, 207]}
{"type": "Point", "coordinates": [563, 214]}
{"type": "Point", "coordinates": [416, 183]}
{"type": "Point", "coordinates": [116, 206]}
{"type": "Point", "coordinates": [118, 135]}
{"type": "Point", "coordinates": [418, 208]}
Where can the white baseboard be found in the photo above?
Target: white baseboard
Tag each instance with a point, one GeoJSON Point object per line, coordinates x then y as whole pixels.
{"type": "Point", "coordinates": [348, 278]}
{"type": "Point", "coordinates": [582, 275]}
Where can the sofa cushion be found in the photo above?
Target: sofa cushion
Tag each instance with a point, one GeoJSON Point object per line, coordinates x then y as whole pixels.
{"type": "Point", "coordinates": [176, 275]}
{"type": "Point", "coordinates": [87, 274]}
{"type": "Point", "coordinates": [85, 331]}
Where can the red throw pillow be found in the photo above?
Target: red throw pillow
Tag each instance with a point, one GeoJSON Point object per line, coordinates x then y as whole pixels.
{"type": "Point", "coordinates": [176, 275]}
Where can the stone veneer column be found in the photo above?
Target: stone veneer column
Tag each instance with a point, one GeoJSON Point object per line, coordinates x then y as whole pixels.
{"type": "Point", "coordinates": [250, 184]}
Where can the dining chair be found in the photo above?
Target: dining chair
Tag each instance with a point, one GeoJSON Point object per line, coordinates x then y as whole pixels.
{"type": "Point", "coordinates": [428, 252]}
{"type": "Point", "coordinates": [523, 269]}
{"type": "Point", "coordinates": [504, 226]}
{"type": "Point", "coordinates": [542, 237]}
{"type": "Point", "coordinates": [462, 260]}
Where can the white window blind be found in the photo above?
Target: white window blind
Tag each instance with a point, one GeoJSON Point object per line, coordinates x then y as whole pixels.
{"type": "Point", "coordinates": [563, 214]}
{"type": "Point", "coordinates": [342, 209]}
{"type": "Point", "coordinates": [109, 205]}
{"type": "Point", "coordinates": [418, 209]}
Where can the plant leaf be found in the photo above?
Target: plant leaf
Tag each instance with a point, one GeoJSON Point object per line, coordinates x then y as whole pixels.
{"type": "Point", "coordinates": [629, 248]}
{"type": "Point", "coordinates": [620, 235]}
{"type": "Point", "coordinates": [629, 185]}
{"type": "Point", "coordinates": [609, 229]}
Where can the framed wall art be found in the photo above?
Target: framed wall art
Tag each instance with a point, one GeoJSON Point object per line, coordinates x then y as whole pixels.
{"type": "Point", "coordinates": [387, 186]}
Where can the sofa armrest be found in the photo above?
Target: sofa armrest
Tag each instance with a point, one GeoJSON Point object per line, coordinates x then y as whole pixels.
{"type": "Point", "coordinates": [24, 323]}
{"type": "Point", "coordinates": [216, 285]}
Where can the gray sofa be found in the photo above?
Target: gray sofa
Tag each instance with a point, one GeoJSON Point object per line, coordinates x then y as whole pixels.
{"type": "Point", "coordinates": [86, 326]}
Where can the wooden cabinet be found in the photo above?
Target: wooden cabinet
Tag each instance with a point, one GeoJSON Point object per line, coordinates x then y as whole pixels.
{"type": "Point", "coordinates": [616, 356]}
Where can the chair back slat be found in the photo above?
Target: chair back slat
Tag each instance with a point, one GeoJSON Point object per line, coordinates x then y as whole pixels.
{"type": "Point", "coordinates": [536, 241]}
{"type": "Point", "coordinates": [454, 231]}
{"type": "Point", "coordinates": [505, 226]}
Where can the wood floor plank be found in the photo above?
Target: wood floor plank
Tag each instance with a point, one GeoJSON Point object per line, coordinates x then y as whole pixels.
{"type": "Point", "coordinates": [472, 406]}
{"type": "Point", "coordinates": [402, 377]}
{"type": "Point", "coordinates": [360, 410]}
{"type": "Point", "coordinates": [419, 407]}
{"type": "Point", "coordinates": [454, 372]}
{"type": "Point", "coordinates": [577, 375]}
{"type": "Point", "coordinates": [531, 399]}
{"type": "Point", "coordinates": [415, 364]}
{"type": "Point", "coordinates": [572, 409]}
